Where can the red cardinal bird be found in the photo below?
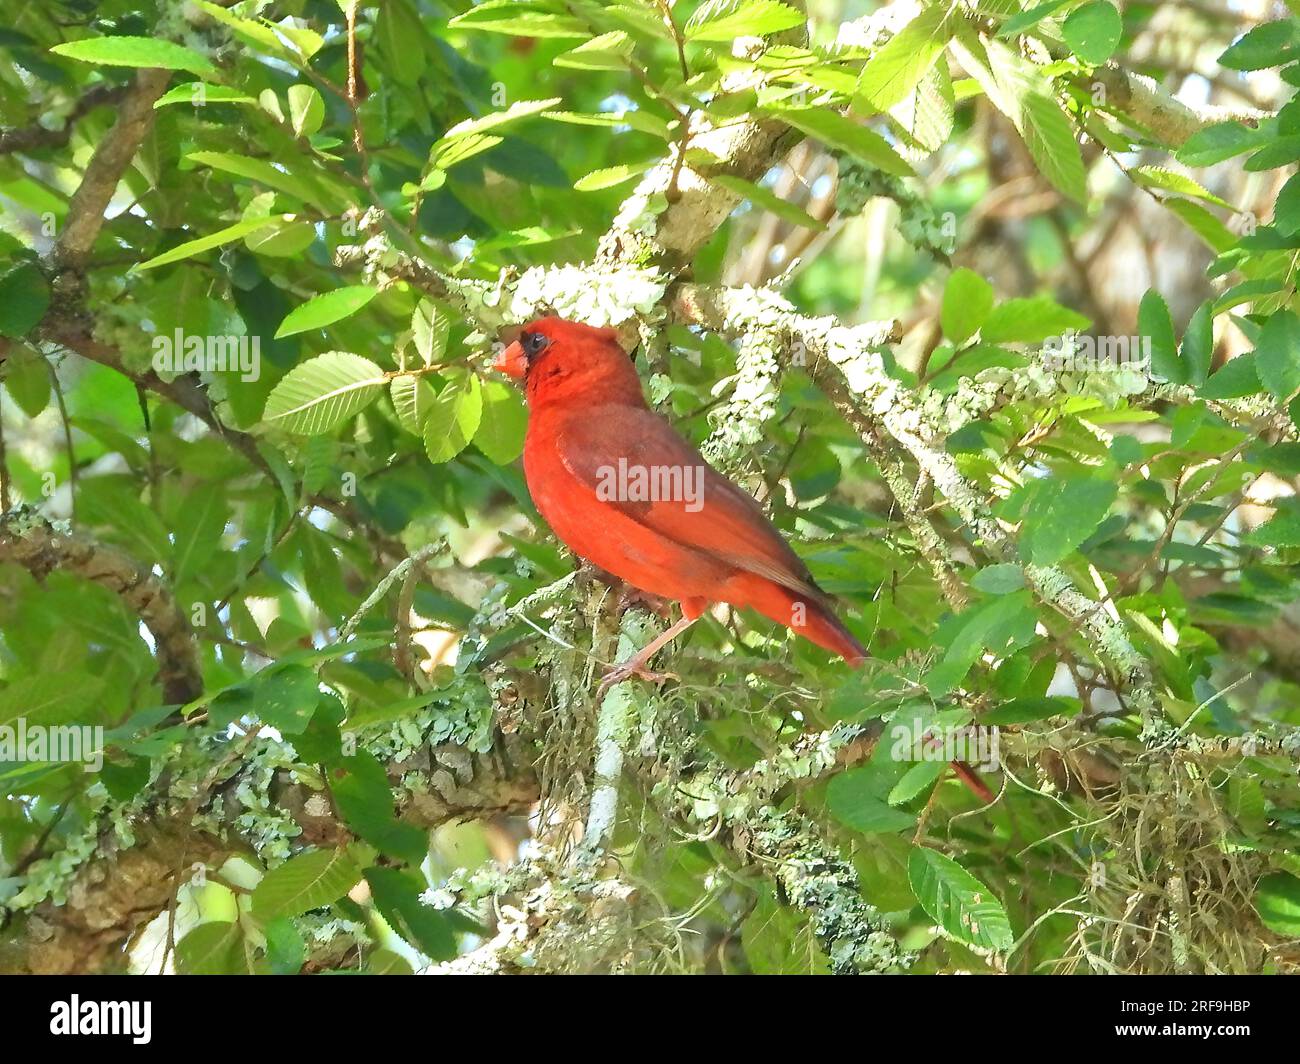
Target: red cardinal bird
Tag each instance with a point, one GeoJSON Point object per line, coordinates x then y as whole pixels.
{"type": "Point", "coordinates": [624, 491]}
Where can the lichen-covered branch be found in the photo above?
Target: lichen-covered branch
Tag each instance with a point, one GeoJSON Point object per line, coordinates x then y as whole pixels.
{"type": "Point", "coordinates": [36, 544]}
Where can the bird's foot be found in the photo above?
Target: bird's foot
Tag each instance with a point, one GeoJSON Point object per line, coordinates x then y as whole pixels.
{"type": "Point", "coordinates": [618, 673]}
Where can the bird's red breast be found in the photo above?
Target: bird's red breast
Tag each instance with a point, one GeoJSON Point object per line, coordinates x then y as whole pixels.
{"type": "Point", "coordinates": [622, 489]}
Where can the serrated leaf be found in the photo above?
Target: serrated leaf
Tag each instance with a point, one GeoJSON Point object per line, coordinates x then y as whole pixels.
{"type": "Point", "coordinates": [1197, 348]}
{"type": "Point", "coordinates": [609, 177]}
{"type": "Point", "coordinates": [768, 200]}
{"type": "Point", "coordinates": [1277, 355]}
{"type": "Point", "coordinates": [1062, 511]}
{"type": "Point", "coordinates": [1049, 135]}
{"type": "Point", "coordinates": [429, 328]}
{"type": "Point", "coordinates": [142, 52]}
{"type": "Point", "coordinates": [211, 949]}
{"type": "Point", "coordinates": [957, 901]}
{"type": "Point", "coordinates": [1030, 321]}
{"type": "Point", "coordinates": [200, 94]}
{"type": "Point", "coordinates": [323, 392]}
{"type": "Point", "coordinates": [844, 134]}
{"type": "Point", "coordinates": [1155, 323]}
{"type": "Point", "coordinates": [851, 799]}
{"type": "Point", "coordinates": [1173, 181]}
{"type": "Point", "coordinates": [518, 19]}
{"type": "Point", "coordinates": [413, 397]}
{"type": "Point", "coordinates": [723, 21]}
{"type": "Point", "coordinates": [895, 70]}
{"type": "Point", "coordinates": [1218, 142]}
{"type": "Point", "coordinates": [308, 881]}
{"type": "Point", "coordinates": [454, 418]}
{"type": "Point", "coordinates": [516, 111]}
{"type": "Point", "coordinates": [397, 897]}
{"type": "Point", "coordinates": [609, 51]}
{"type": "Point", "coordinates": [325, 309]}
{"type": "Point", "coordinates": [213, 240]}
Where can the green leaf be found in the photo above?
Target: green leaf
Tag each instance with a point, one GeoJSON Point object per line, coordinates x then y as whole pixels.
{"type": "Point", "coordinates": [1286, 210]}
{"type": "Point", "coordinates": [1093, 31]}
{"type": "Point", "coordinates": [516, 111]}
{"type": "Point", "coordinates": [306, 110]}
{"type": "Point", "coordinates": [1154, 321]}
{"type": "Point", "coordinates": [846, 135]}
{"type": "Point", "coordinates": [1237, 378]}
{"type": "Point", "coordinates": [311, 880]}
{"type": "Point", "coordinates": [26, 377]}
{"type": "Point", "coordinates": [286, 951]}
{"type": "Point", "coordinates": [1277, 900]}
{"type": "Point", "coordinates": [1277, 354]}
{"type": "Point", "coordinates": [1280, 530]}
{"type": "Point", "coordinates": [1049, 135]}
{"type": "Point", "coordinates": [200, 94]}
{"type": "Point", "coordinates": [211, 949]}
{"type": "Point", "coordinates": [967, 300]}
{"type": "Point", "coordinates": [1198, 344]}
{"type": "Point", "coordinates": [768, 200]}
{"type": "Point", "coordinates": [198, 525]}
{"type": "Point", "coordinates": [214, 240]}
{"type": "Point", "coordinates": [429, 328]}
{"type": "Point", "coordinates": [1173, 181]}
{"type": "Point", "coordinates": [722, 21]}
{"type": "Point", "coordinates": [365, 800]}
{"type": "Point", "coordinates": [323, 392]}
{"type": "Point", "coordinates": [851, 799]}
{"type": "Point", "coordinates": [1027, 710]}
{"type": "Point", "coordinates": [1269, 45]}
{"type": "Point", "coordinates": [1062, 511]}
{"type": "Point", "coordinates": [1218, 142]}
{"type": "Point", "coordinates": [413, 397]}
{"type": "Point", "coordinates": [49, 697]}
{"type": "Point", "coordinates": [24, 298]}
{"type": "Point", "coordinates": [999, 579]}
{"type": "Point", "coordinates": [325, 309]}
{"type": "Point", "coordinates": [957, 901]}
{"type": "Point", "coordinates": [895, 70]}
{"type": "Point", "coordinates": [454, 418]}
{"type": "Point", "coordinates": [609, 177]}
{"type": "Point", "coordinates": [518, 19]}
{"type": "Point", "coordinates": [308, 190]}
{"type": "Point", "coordinates": [609, 51]}
{"type": "Point", "coordinates": [1030, 321]}
{"type": "Point", "coordinates": [1031, 16]}
{"type": "Point", "coordinates": [397, 897]}
{"type": "Point", "coordinates": [501, 430]}
{"type": "Point", "coordinates": [137, 52]}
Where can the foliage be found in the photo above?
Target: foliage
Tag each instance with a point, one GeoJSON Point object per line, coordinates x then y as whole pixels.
{"type": "Point", "coordinates": [267, 528]}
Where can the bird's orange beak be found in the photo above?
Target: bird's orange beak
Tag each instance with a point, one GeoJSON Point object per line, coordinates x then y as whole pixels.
{"type": "Point", "coordinates": [511, 361]}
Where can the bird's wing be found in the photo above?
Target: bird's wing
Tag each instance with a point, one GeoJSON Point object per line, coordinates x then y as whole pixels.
{"type": "Point", "coordinates": [721, 520]}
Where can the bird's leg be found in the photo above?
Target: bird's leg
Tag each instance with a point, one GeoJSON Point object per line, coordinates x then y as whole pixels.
{"type": "Point", "coordinates": [636, 665]}
{"type": "Point", "coordinates": [634, 596]}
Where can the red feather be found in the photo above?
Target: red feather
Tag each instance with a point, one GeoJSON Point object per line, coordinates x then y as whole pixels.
{"type": "Point", "coordinates": [586, 414]}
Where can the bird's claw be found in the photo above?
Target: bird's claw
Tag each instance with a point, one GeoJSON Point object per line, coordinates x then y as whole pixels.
{"type": "Point", "coordinates": [618, 673]}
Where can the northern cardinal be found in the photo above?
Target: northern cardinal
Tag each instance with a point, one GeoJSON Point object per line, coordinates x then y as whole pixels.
{"type": "Point", "coordinates": [624, 491]}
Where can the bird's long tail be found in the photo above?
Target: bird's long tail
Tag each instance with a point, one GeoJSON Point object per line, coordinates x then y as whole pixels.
{"type": "Point", "coordinates": [804, 615]}
{"type": "Point", "coordinates": [814, 619]}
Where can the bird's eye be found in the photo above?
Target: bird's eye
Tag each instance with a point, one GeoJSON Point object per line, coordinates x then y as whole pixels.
{"type": "Point", "coordinates": [534, 344]}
